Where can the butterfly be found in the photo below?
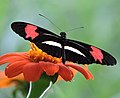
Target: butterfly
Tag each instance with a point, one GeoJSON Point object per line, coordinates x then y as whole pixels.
{"type": "Point", "coordinates": [60, 46]}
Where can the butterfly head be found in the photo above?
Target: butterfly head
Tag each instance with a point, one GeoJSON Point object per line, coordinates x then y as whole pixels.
{"type": "Point", "coordinates": [63, 35]}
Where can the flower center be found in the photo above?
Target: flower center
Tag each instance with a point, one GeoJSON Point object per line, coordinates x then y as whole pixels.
{"type": "Point", "coordinates": [37, 55]}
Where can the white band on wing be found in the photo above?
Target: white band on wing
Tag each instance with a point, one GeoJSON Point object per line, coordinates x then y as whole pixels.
{"type": "Point", "coordinates": [52, 43]}
{"type": "Point", "coordinates": [74, 50]}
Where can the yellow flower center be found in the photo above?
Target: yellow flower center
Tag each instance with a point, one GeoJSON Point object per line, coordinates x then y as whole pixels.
{"type": "Point", "coordinates": [37, 55]}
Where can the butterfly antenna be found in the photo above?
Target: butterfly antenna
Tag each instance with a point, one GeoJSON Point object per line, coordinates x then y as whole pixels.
{"type": "Point", "coordinates": [50, 21]}
{"type": "Point", "coordinates": [74, 29]}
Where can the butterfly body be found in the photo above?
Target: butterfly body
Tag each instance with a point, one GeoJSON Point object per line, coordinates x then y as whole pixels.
{"type": "Point", "coordinates": [60, 46]}
{"type": "Point", "coordinates": [63, 41]}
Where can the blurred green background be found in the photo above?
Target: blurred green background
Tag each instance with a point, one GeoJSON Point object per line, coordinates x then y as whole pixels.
{"type": "Point", "coordinates": [101, 21]}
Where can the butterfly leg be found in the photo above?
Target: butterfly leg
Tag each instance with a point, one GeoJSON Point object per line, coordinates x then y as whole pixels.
{"type": "Point", "coordinates": [63, 55]}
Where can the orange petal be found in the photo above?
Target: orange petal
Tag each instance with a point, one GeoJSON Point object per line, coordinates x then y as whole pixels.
{"type": "Point", "coordinates": [65, 72]}
{"type": "Point", "coordinates": [4, 81]}
{"type": "Point", "coordinates": [73, 71]}
{"type": "Point", "coordinates": [11, 60]}
{"type": "Point", "coordinates": [7, 82]}
{"type": "Point", "coordinates": [49, 68]}
{"type": "Point", "coordinates": [12, 54]}
{"type": "Point", "coordinates": [11, 57]}
{"type": "Point", "coordinates": [91, 75]}
{"type": "Point", "coordinates": [86, 68]}
{"type": "Point", "coordinates": [32, 72]}
{"type": "Point", "coordinates": [80, 69]}
{"type": "Point", "coordinates": [15, 68]}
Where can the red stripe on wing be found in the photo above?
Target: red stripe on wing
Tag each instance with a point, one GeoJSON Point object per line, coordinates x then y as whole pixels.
{"type": "Point", "coordinates": [96, 53]}
{"type": "Point", "coordinates": [30, 31]}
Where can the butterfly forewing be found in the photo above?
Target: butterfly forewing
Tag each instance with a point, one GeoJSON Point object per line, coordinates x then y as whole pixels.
{"type": "Point", "coordinates": [94, 54]}
{"type": "Point", "coordinates": [29, 31]}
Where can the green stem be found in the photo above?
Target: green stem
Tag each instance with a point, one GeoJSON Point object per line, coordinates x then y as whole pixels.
{"type": "Point", "coordinates": [46, 89]}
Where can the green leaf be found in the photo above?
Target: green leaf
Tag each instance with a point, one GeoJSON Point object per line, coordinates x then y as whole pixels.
{"type": "Point", "coordinates": [41, 85]}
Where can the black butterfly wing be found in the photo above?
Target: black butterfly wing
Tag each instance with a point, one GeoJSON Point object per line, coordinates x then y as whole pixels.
{"type": "Point", "coordinates": [91, 53]}
{"type": "Point", "coordinates": [49, 42]}
{"type": "Point", "coordinates": [38, 36]}
{"type": "Point", "coordinates": [29, 31]}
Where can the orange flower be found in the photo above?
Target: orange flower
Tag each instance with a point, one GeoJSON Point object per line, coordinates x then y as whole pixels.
{"type": "Point", "coordinates": [7, 82]}
{"type": "Point", "coordinates": [34, 62]}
